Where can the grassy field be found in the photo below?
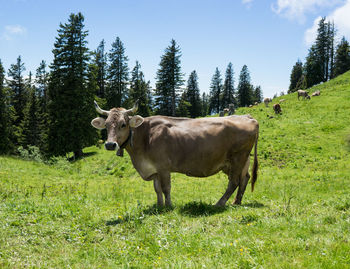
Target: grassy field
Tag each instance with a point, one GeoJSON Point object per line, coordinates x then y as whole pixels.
{"type": "Point", "coordinates": [97, 212]}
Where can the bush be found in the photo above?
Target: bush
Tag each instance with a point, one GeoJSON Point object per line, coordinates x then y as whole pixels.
{"type": "Point", "coordinates": [31, 153]}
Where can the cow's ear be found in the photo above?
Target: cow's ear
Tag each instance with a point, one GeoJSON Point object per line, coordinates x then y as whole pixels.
{"type": "Point", "coordinates": [136, 121]}
{"type": "Point", "coordinates": [99, 123]}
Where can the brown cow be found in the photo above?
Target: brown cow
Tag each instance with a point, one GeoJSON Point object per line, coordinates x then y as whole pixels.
{"type": "Point", "coordinates": [277, 108]}
{"type": "Point", "coordinates": [159, 145]}
{"type": "Point", "coordinates": [316, 93]}
{"type": "Point", "coordinates": [304, 94]}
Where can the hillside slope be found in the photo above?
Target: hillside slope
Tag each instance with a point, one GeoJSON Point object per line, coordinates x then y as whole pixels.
{"type": "Point", "coordinates": [97, 212]}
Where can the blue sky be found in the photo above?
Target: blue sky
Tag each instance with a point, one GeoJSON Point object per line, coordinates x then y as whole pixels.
{"type": "Point", "coordinates": [267, 35]}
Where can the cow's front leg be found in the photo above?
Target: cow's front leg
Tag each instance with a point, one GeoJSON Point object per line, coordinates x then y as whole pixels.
{"type": "Point", "coordinates": [158, 188]}
{"type": "Point", "coordinates": [166, 187]}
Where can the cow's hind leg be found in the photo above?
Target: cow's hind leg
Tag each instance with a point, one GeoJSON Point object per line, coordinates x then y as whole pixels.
{"type": "Point", "coordinates": [242, 183]}
{"type": "Point", "coordinates": [166, 187]}
{"type": "Point", "coordinates": [233, 181]}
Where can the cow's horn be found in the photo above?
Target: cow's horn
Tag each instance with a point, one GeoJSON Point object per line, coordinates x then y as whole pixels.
{"type": "Point", "coordinates": [99, 110]}
{"type": "Point", "coordinates": [133, 109]}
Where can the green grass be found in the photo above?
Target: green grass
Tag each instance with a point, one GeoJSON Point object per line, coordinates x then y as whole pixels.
{"type": "Point", "coordinates": [97, 212]}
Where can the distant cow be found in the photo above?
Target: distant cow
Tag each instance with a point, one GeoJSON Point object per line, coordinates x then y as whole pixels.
{"type": "Point", "coordinates": [267, 100]}
{"type": "Point", "coordinates": [231, 109]}
{"type": "Point", "coordinates": [277, 108]}
{"type": "Point", "coordinates": [223, 112]}
{"type": "Point", "coordinates": [316, 93]}
{"type": "Point", "coordinates": [304, 94]}
{"type": "Point", "coordinates": [202, 147]}
{"type": "Point", "coordinates": [282, 100]}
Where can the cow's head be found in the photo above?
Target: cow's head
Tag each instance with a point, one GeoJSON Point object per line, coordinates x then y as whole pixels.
{"type": "Point", "coordinates": [119, 124]}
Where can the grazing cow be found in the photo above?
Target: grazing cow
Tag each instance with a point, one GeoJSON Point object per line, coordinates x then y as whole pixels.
{"type": "Point", "coordinates": [159, 145]}
{"type": "Point", "coordinates": [256, 103]}
{"type": "Point", "coordinates": [231, 109]}
{"type": "Point", "coordinates": [316, 93]}
{"type": "Point", "coordinates": [304, 94]}
{"type": "Point", "coordinates": [267, 100]}
{"type": "Point", "coordinates": [277, 108]}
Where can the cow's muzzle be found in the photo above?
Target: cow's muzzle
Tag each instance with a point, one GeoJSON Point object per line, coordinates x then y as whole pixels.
{"type": "Point", "coordinates": [110, 145]}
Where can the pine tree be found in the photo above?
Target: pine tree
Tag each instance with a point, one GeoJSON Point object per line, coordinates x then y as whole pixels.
{"type": "Point", "coordinates": [168, 81]}
{"type": "Point", "coordinates": [71, 103]}
{"type": "Point", "coordinates": [228, 95]}
{"type": "Point", "coordinates": [41, 81]}
{"type": "Point", "coordinates": [183, 109]}
{"type": "Point", "coordinates": [139, 90]}
{"type": "Point", "coordinates": [30, 126]}
{"type": "Point", "coordinates": [313, 68]}
{"type": "Point", "coordinates": [118, 75]}
{"type": "Point", "coordinates": [205, 105]}
{"type": "Point", "coordinates": [19, 90]}
{"type": "Point", "coordinates": [245, 89]}
{"type": "Point", "coordinates": [215, 92]}
{"type": "Point", "coordinates": [193, 96]}
{"type": "Point", "coordinates": [4, 115]}
{"type": "Point", "coordinates": [342, 58]}
{"type": "Point", "coordinates": [257, 94]}
{"type": "Point", "coordinates": [101, 62]}
{"type": "Point", "coordinates": [297, 72]}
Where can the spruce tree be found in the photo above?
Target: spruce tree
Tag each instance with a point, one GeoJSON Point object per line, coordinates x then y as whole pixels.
{"type": "Point", "coordinates": [41, 82]}
{"type": "Point", "coordinates": [4, 115]}
{"type": "Point", "coordinates": [313, 68]}
{"type": "Point", "coordinates": [30, 126]}
{"type": "Point", "coordinates": [139, 90]}
{"type": "Point", "coordinates": [245, 89]}
{"type": "Point", "coordinates": [183, 109]}
{"type": "Point", "coordinates": [118, 75]}
{"type": "Point", "coordinates": [257, 94]}
{"type": "Point", "coordinates": [342, 58]}
{"type": "Point", "coordinates": [205, 105]}
{"type": "Point", "coordinates": [169, 80]}
{"type": "Point", "coordinates": [215, 92]}
{"type": "Point", "coordinates": [297, 72]}
{"type": "Point", "coordinates": [228, 94]}
{"type": "Point", "coordinates": [71, 103]}
{"type": "Point", "coordinates": [193, 96]}
{"type": "Point", "coordinates": [19, 90]}
{"type": "Point", "coordinates": [101, 62]}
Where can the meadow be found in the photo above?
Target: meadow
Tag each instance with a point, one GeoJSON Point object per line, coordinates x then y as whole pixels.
{"type": "Point", "coordinates": [98, 212]}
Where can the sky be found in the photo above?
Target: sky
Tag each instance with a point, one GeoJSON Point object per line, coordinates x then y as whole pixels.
{"type": "Point", "coordinates": [268, 36]}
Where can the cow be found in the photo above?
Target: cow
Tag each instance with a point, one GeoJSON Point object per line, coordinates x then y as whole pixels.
{"type": "Point", "coordinates": [282, 100]}
{"type": "Point", "coordinates": [267, 100]}
{"type": "Point", "coordinates": [231, 109]}
{"type": "Point", "coordinates": [316, 93]}
{"type": "Point", "coordinates": [277, 108]}
{"type": "Point", "coordinates": [304, 94]}
{"type": "Point", "coordinates": [159, 145]}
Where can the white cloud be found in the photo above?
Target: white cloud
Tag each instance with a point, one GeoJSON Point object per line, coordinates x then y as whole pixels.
{"type": "Point", "coordinates": [247, 3]}
{"type": "Point", "coordinates": [13, 30]}
{"type": "Point", "coordinates": [296, 9]}
{"type": "Point", "coordinates": [340, 16]}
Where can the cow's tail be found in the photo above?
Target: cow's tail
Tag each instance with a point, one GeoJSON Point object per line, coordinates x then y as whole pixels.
{"type": "Point", "coordinates": [255, 164]}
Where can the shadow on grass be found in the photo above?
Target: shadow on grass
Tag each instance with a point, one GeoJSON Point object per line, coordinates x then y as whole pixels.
{"type": "Point", "coordinates": [198, 209]}
{"type": "Point", "coordinates": [85, 155]}
{"type": "Point", "coordinates": [138, 215]}
{"type": "Point", "coordinates": [254, 204]}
